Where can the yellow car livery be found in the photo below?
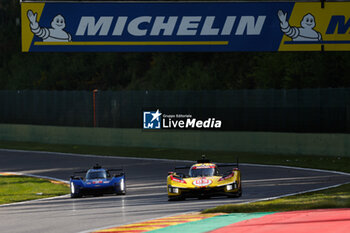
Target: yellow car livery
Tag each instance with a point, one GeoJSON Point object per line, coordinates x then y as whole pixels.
{"type": "Point", "coordinates": [204, 180]}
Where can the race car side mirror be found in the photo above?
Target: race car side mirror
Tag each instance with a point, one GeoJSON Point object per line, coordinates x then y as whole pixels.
{"type": "Point", "coordinates": [76, 177]}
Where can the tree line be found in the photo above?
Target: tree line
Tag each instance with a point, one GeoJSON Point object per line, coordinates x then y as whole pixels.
{"type": "Point", "coordinates": [161, 71]}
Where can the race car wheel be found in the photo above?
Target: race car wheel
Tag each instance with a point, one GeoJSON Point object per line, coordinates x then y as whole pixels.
{"type": "Point", "coordinates": [121, 189]}
{"type": "Point", "coordinates": [75, 195]}
{"type": "Point", "coordinates": [237, 194]}
{"type": "Point", "coordinates": [121, 193]}
{"type": "Point", "coordinates": [177, 198]}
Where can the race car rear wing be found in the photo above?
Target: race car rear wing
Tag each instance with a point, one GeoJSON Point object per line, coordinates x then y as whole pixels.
{"type": "Point", "coordinates": [77, 177]}
{"type": "Point", "coordinates": [85, 171]}
{"type": "Point", "coordinates": [205, 160]}
{"type": "Point", "coordinates": [116, 170]}
{"type": "Point", "coordinates": [202, 160]}
{"type": "Point", "coordinates": [228, 165]}
{"type": "Point", "coordinates": [217, 164]}
{"type": "Point", "coordinates": [183, 167]}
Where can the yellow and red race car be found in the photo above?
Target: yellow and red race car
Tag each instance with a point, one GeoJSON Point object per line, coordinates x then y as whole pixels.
{"type": "Point", "coordinates": [204, 180]}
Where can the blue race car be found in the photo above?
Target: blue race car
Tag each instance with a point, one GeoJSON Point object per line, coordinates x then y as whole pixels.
{"type": "Point", "coordinates": [98, 181]}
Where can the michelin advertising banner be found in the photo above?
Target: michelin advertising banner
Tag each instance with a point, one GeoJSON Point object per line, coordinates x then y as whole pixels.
{"type": "Point", "coordinates": [185, 26]}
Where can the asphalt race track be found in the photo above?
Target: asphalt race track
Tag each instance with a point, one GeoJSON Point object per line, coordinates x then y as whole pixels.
{"type": "Point", "coordinates": [146, 196]}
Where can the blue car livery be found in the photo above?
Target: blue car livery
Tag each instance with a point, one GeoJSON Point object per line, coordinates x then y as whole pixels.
{"type": "Point", "coordinates": [98, 181]}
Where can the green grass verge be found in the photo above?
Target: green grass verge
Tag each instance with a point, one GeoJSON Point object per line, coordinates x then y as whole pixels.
{"type": "Point", "coordinates": [23, 188]}
{"type": "Point", "coordinates": [331, 198]}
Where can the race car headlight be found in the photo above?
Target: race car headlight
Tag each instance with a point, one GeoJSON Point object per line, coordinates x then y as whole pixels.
{"type": "Point", "coordinates": [231, 186]}
{"type": "Point", "coordinates": [72, 189]}
{"type": "Point", "coordinates": [173, 190]}
{"type": "Point", "coordinates": [122, 185]}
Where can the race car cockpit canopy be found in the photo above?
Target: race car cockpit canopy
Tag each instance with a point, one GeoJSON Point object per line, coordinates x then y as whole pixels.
{"type": "Point", "coordinates": [203, 170]}
{"type": "Point", "coordinates": [96, 174]}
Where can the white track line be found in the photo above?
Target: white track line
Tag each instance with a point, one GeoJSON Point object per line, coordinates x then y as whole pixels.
{"type": "Point", "coordinates": [94, 156]}
{"type": "Point", "coordinates": [36, 200]}
{"type": "Point", "coordinates": [292, 194]}
{"type": "Point", "coordinates": [297, 168]}
{"type": "Point", "coordinates": [137, 221]}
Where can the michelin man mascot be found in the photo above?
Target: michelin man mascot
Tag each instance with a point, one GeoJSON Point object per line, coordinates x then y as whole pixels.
{"type": "Point", "coordinates": [304, 33]}
{"type": "Point", "coordinates": [54, 34]}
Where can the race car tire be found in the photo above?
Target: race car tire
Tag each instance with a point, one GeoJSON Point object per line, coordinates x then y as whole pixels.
{"type": "Point", "coordinates": [75, 195]}
{"type": "Point", "coordinates": [121, 193]}
{"type": "Point", "coordinates": [237, 194]}
{"type": "Point", "coordinates": [177, 198]}
{"type": "Point", "coordinates": [118, 191]}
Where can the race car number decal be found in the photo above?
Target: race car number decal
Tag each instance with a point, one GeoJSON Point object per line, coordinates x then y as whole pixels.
{"type": "Point", "coordinates": [202, 182]}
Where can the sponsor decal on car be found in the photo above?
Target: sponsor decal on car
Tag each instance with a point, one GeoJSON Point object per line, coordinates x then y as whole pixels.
{"type": "Point", "coordinates": [202, 182]}
{"type": "Point", "coordinates": [97, 182]}
{"type": "Point", "coordinates": [203, 166]}
{"type": "Point", "coordinates": [227, 177]}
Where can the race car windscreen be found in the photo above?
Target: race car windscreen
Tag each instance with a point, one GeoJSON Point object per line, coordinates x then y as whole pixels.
{"type": "Point", "coordinates": [196, 171]}
{"type": "Point", "coordinates": [96, 175]}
